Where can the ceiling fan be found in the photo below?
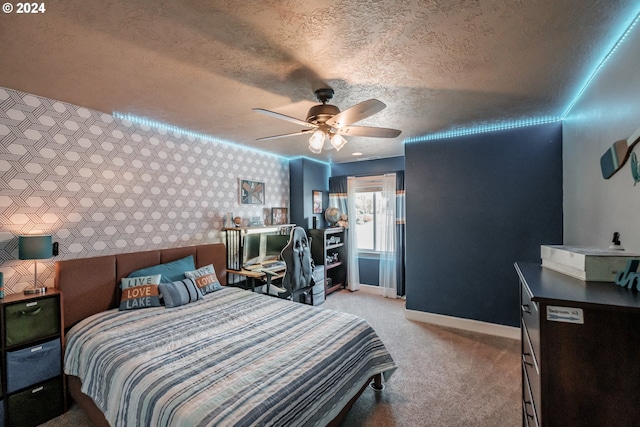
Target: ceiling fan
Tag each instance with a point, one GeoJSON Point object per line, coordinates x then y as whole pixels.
{"type": "Point", "coordinates": [327, 121]}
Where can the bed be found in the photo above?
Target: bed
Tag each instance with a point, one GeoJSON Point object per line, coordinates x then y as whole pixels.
{"type": "Point", "coordinates": [233, 357]}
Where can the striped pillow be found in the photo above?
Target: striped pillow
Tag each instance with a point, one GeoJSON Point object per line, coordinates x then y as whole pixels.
{"type": "Point", "coordinates": [205, 278]}
{"type": "Point", "coordinates": [140, 292]}
{"type": "Point", "coordinates": [179, 293]}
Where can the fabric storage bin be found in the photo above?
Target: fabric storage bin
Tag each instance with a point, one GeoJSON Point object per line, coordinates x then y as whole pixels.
{"type": "Point", "coordinates": [33, 365]}
{"type": "Point", "coordinates": [31, 320]}
{"type": "Point", "coordinates": [318, 274]}
{"type": "Point", "coordinates": [36, 404]}
{"type": "Point", "coordinates": [318, 292]}
{"type": "Point", "coordinates": [1, 413]}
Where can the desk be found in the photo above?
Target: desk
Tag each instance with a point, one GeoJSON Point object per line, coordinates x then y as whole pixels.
{"type": "Point", "coordinates": [254, 275]}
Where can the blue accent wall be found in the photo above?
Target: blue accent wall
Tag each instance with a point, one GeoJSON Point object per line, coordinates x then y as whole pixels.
{"type": "Point", "coordinates": [307, 175]}
{"type": "Point", "coordinates": [369, 269]}
{"type": "Point", "coordinates": [475, 205]}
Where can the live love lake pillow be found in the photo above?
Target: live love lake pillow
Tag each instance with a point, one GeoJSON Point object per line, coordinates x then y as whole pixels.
{"type": "Point", "coordinates": [179, 293]}
{"type": "Point", "coordinates": [140, 292]}
{"type": "Point", "coordinates": [205, 278]}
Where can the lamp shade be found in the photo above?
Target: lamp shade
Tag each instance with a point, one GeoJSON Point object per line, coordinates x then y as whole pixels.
{"type": "Point", "coordinates": [338, 141]}
{"type": "Point", "coordinates": [35, 247]}
{"type": "Point", "coordinates": [316, 142]}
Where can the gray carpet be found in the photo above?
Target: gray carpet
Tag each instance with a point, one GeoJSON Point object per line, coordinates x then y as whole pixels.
{"type": "Point", "coordinates": [445, 377]}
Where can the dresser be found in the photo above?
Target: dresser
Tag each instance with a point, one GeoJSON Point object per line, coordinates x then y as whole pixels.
{"type": "Point", "coordinates": [329, 249]}
{"type": "Point", "coordinates": [33, 383]}
{"type": "Point", "coordinates": [580, 350]}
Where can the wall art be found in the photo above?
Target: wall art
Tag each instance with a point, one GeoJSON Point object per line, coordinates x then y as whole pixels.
{"type": "Point", "coordinates": [251, 192]}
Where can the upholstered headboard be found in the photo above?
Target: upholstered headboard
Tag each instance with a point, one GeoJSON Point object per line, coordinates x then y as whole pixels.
{"type": "Point", "coordinates": [90, 285]}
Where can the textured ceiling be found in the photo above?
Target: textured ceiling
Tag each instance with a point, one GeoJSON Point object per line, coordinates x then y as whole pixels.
{"type": "Point", "coordinates": [203, 65]}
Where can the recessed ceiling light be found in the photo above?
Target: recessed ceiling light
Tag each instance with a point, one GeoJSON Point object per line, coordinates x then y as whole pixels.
{"type": "Point", "coordinates": [357, 153]}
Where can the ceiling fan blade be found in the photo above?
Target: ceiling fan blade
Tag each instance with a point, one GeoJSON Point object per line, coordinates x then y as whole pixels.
{"type": "Point", "coordinates": [356, 113]}
{"type": "Point", "coordinates": [369, 131]}
{"type": "Point", "coordinates": [283, 117]}
{"type": "Point", "coordinates": [302, 132]}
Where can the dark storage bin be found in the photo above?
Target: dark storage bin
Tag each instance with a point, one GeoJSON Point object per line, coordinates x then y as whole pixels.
{"type": "Point", "coordinates": [1, 413]}
{"type": "Point", "coordinates": [33, 365]}
{"type": "Point", "coordinates": [36, 404]}
{"type": "Point", "coordinates": [31, 320]}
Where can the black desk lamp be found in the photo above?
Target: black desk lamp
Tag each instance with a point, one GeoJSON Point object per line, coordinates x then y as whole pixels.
{"type": "Point", "coordinates": [35, 248]}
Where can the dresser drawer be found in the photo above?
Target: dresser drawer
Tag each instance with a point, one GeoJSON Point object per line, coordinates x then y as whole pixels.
{"type": "Point", "coordinates": [530, 312]}
{"type": "Point", "coordinates": [529, 413]}
{"type": "Point", "coordinates": [33, 365]}
{"type": "Point", "coordinates": [30, 320]}
{"type": "Point", "coordinates": [531, 368]}
{"type": "Point", "coordinates": [36, 404]}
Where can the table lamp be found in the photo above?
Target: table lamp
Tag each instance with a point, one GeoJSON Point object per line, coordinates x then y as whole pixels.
{"type": "Point", "coordinates": [35, 248]}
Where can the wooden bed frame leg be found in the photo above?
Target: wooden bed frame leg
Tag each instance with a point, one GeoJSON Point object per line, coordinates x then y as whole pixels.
{"type": "Point", "coordinates": [377, 384]}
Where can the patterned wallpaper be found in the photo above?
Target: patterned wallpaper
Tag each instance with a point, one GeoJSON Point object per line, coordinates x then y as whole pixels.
{"type": "Point", "coordinates": [102, 185]}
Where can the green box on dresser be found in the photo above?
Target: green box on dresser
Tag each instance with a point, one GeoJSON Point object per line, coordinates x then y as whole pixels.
{"type": "Point", "coordinates": [580, 348]}
{"type": "Point", "coordinates": [32, 378]}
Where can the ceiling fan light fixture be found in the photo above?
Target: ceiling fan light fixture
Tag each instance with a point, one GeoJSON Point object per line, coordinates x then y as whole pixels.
{"type": "Point", "coordinates": [315, 150]}
{"type": "Point", "coordinates": [316, 142]}
{"type": "Point", "coordinates": [338, 141]}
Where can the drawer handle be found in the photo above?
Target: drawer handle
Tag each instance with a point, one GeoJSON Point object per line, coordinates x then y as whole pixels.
{"type": "Point", "coordinates": [32, 312]}
{"type": "Point", "coordinates": [525, 308]}
{"type": "Point", "coordinates": [524, 359]}
{"type": "Point", "coordinates": [38, 389]}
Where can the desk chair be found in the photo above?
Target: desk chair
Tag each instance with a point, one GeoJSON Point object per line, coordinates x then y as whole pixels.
{"type": "Point", "coordinates": [298, 277]}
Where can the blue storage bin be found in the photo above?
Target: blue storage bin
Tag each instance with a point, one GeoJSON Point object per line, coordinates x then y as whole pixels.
{"type": "Point", "coordinates": [33, 365]}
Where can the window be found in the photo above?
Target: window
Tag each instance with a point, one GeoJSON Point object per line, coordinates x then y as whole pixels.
{"type": "Point", "coordinates": [371, 212]}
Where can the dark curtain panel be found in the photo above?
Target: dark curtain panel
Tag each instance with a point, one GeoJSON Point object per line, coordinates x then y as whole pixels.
{"type": "Point", "coordinates": [338, 193]}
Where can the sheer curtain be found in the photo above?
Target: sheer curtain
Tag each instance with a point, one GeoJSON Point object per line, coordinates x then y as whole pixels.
{"type": "Point", "coordinates": [387, 231]}
{"type": "Point", "coordinates": [400, 232]}
{"type": "Point", "coordinates": [353, 268]}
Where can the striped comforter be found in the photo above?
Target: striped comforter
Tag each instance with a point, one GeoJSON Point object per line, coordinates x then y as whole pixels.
{"type": "Point", "coordinates": [233, 359]}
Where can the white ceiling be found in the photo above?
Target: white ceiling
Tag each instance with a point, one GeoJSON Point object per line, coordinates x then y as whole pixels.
{"type": "Point", "coordinates": [203, 65]}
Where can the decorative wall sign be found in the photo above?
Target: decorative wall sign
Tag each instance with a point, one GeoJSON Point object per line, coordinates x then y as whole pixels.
{"type": "Point", "coordinates": [635, 169]}
{"type": "Point", "coordinates": [279, 216]}
{"type": "Point", "coordinates": [251, 192]}
{"type": "Point", "coordinates": [629, 277]}
{"type": "Point", "coordinates": [317, 202]}
{"type": "Point", "coordinates": [616, 156]}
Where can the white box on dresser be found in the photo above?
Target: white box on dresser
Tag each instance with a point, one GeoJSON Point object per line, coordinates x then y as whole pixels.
{"type": "Point", "coordinates": [588, 264]}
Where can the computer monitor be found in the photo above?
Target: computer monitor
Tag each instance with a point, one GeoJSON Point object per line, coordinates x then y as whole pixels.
{"type": "Point", "coordinates": [251, 247]}
{"type": "Point", "coordinates": [275, 244]}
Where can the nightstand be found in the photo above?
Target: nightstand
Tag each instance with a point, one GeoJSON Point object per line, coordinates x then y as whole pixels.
{"type": "Point", "coordinates": [31, 343]}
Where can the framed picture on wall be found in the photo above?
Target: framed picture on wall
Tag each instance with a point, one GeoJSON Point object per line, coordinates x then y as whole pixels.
{"type": "Point", "coordinates": [251, 192]}
{"type": "Point", "coordinates": [317, 201]}
{"type": "Point", "coordinates": [279, 216]}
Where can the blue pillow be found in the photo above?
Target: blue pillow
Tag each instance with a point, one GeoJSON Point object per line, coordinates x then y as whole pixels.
{"type": "Point", "coordinates": [171, 271]}
{"type": "Point", "coordinates": [179, 293]}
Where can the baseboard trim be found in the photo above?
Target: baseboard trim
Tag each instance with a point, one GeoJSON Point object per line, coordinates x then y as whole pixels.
{"type": "Point", "coordinates": [464, 324]}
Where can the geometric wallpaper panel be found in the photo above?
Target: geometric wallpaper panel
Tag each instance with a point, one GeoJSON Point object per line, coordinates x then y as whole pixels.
{"type": "Point", "coordinates": [102, 185]}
